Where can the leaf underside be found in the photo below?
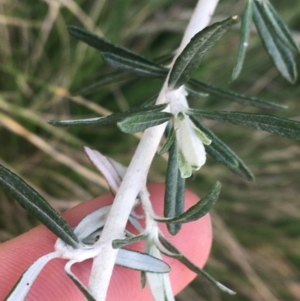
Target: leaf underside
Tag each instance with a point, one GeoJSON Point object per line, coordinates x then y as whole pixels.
{"type": "Point", "coordinates": [141, 262]}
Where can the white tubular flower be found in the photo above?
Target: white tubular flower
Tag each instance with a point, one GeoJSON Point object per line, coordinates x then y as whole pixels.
{"type": "Point", "coordinates": [190, 140]}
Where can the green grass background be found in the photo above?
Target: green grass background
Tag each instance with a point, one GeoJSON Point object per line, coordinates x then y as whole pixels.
{"type": "Point", "coordinates": [42, 70]}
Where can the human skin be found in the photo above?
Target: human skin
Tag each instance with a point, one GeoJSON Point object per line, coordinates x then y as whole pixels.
{"type": "Point", "coordinates": [194, 241]}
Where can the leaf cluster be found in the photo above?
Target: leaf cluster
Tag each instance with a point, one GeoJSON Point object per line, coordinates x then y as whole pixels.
{"type": "Point", "coordinates": [276, 37]}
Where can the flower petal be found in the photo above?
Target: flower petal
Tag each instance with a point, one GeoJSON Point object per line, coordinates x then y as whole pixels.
{"type": "Point", "coordinates": [190, 145]}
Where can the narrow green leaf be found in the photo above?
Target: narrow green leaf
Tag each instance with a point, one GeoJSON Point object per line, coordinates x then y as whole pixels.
{"type": "Point", "coordinates": [102, 81]}
{"type": "Point", "coordinates": [179, 201]}
{"type": "Point", "coordinates": [164, 59]}
{"type": "Point", "coordinates": [140, 122]}
{"type": "Point", "coordinates": [198, 210]}
{"type": "Point", "coordinates": [164, 250]}
{"type": "Point", "coordinates": [150, 101]}
{"type": "Point", "coordinates": [173, 203]}
{"type": "Point", "coordinates": [134, 66]}
{"type": "Point", "coordinates": [277, 25]}
{"type": "Point", "coordinates": [118, 243]}
{"type": "Point", "coordinates": [169, 141]}
{"type": "Point", "coordinates": [269, 123]}
{"type": "Point", "coordinates": [195, 93]}
{"type": "Point", "coordinates": [222, 153]}
{"type": "Point", "coordinates": [105, 46]}
{"type": "Point", "coordinates": [118, 76]}
{"type": "Point", "coordinates": [107, 120]}
{"type": "Point", "coordinates": [141, 261]}
{"type": "Point", "coordinates": [245, 33]}
{"type": "Point", "coordinates": [233, 96]}
{"type": "Point", "coordinates": [190, 265]}
{"type": "Point", "coordinates": [190, 58]}
{"type": "Point", "coordinates": [278, 51]}
{"type": "Point", "coordinates": [29, 199]}
{"type": "Point", "coordinates": [143, 279]}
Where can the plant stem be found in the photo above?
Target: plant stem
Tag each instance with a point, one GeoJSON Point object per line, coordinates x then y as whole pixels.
{"type": "Point", "coordinates": [136, 175]}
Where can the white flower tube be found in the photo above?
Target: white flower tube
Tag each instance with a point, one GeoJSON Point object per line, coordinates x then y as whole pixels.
{"type": "Point", "coordinates": [190, 140]}
{"type": "Point", "coordinates": [191, 151]}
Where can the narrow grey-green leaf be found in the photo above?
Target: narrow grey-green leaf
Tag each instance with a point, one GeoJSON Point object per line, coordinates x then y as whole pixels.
{"type": "Point", "coordinates": [133, 66]}
{"type": "Point", "coordinates": [179, 204]}
{"type": "Point", "coordinates": [244, 37]}
{"type": "Point", "coordinates": [198, 210]}
{"type": "Point", "coordinates": [169, 141]}
{"type": "Point", "coordinates": [195, 93]}
{"type": "Point", "coordinates": [104, 80]}
{"type": "Point", "coordinates": [269, 123]}
{"type": "Point", "coordinates": [277, 24]}
{"type": "Point", "coordinates": [233, 96]}
{"type": "Point", "coordinates": [174, 197]}
{"type": "Point", "coordinates": [278, 51]}
{"type": "Point", "coordinates": [105, 46]}
{"type": "Point", "coordinates": [190, 58]}
{"type": "Point", "coordinates": [118, 243]}
{"type": "Point", "coordinates": [143, 279]}
{"type": "Point", "coordinates": [29, 199]}
{"type": "Point", "coordinates": [141, 261]}
{"type": "Point", "coordinates": [219, 152]}
{"type": "Point", "coordinates": [164, 59]}
{"type": "Point", "coordinates": [141, 122]}
{"type": "Point", "coordinates": [118, 76]}
{"type": "Point", "coordinates": [190, 265]}
{"type": "Point", "coordinates": [150, 101]}
{"type": "Point", "coordinates": [108, 120]}
{"type": "Point", "coordinates": [222, 153]}
{"type": "Point", "coordinates": [85, 291]}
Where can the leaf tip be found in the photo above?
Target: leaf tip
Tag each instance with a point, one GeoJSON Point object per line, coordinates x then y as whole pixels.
{"type": "Point", "coordinates": [225, 289]}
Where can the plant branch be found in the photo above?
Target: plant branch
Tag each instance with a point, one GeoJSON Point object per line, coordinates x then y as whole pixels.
{"type": "Point", "coordinates": [136, 175]}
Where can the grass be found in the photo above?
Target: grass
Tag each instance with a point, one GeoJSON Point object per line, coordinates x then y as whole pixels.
{"type": "Point", "coordinates": [256, 225]}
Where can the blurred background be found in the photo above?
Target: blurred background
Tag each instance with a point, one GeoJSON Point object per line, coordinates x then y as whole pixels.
{"type": "Point", "coordinates": [45, 74]}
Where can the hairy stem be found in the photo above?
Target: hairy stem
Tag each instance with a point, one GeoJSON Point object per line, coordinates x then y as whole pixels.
{"type": "Point", "coordinates": [136, 175]}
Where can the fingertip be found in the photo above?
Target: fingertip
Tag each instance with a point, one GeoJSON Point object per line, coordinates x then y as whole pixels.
{"type": "Point", "coordinates": [194, 241]}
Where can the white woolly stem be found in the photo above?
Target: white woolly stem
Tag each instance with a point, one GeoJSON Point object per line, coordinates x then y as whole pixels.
{"type": "Point", "coordinates": [136, 175]}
